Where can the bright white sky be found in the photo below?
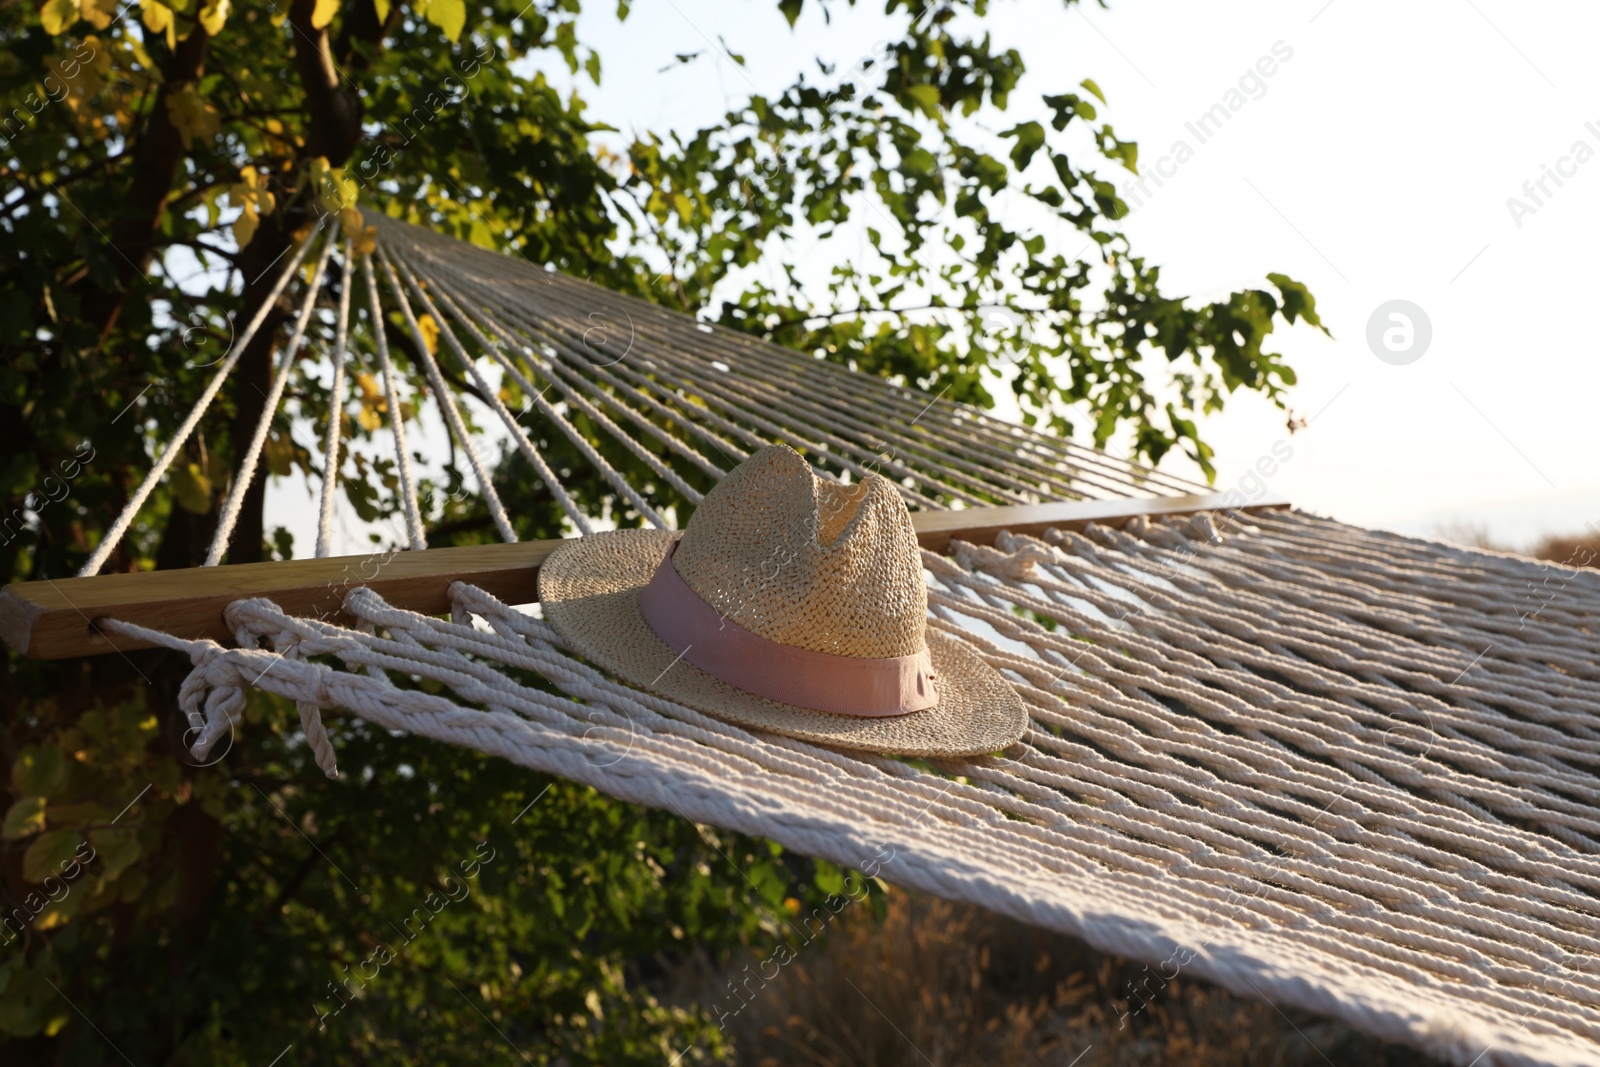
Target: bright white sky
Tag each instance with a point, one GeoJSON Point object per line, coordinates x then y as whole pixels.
{"type": "Point", "coordinates": [1375, 166]}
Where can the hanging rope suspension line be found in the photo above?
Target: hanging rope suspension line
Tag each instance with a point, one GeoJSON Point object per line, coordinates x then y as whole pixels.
{"type": "Point", "coordinates": [447, 404]}
{"type": "Point", "coordinates": [397, 427]}
{"type": "Point", "coordinates": [998, 460]}
{"type": "Point", "coordinates": [562, 352]}
{"type": "Point", "coordinates": [524, 444]}
{"type": "Point", "coordinates": [537, 400]}
{"type": "Point", "coordinates": [245, 474]}
{"type": "Point", "coordinates": [113, 536]}
{"type": "Point", "coordinates": [330, 477]}
{"type": "Point", "coordinates": [558, 380]}
{"type": "Point", "coordinates": [806, 437]}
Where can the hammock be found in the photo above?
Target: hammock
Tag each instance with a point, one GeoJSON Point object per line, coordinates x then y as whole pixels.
{"type": "Point", "coordinates": [1333, 768]}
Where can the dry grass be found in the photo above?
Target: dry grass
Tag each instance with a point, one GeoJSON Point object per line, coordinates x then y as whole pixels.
{"type": "Point", "coordinates": [1579, 551]}
{"type": "Point", "coordinates": [941, 985]}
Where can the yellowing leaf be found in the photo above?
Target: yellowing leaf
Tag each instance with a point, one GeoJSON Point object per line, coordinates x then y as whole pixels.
{"type": "Point", "coordinates": [373, 402]}
{"type": "Point", "coordinates": [57, 15]}
{"type": "Point", "coordinates": [84, 78]}
{"type": "Point", "coordinates": [96, 13]}
{"type": "Point", "coordinates": [245, 226]}
{"type": "Point", "coordinates": [333, 189]}
{"type": "Point", "coordinates": [99, 13]}
{"type": "Point", "coordinates": [382, 8]}
{"type": "Point", "coordinates": [192, 489]}
{"type": "Point", "coordinates": [323, 13]}
{"type": "Point", "coordinates": [191, 116]}
{"type": "Point", "coordinates": [366, 242]}
{"type": "Point", "coordinates": [430, 333]}
{"type": "Point", "coordinates": [448, 15]}
{"type": "Point", "coordinates": [24, 817]}
{"type": "Point", "coordinates": [136, 48]}
{"type": "Point", "coordinates": [100, 62]}
{"type": "Point", "coordinates": [250, 195]}
{"type": "Point", "coordinates": [252, 187]}
{"type": "Point", "coordinates": [350, 221]}
{"type": "Point", "coordinates": [214, 15]}
{"type": "Point", "coordinates": [157, 18]}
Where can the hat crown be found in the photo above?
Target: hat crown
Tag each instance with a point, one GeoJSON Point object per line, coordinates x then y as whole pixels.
{"type": "Point", "coordinates": [807, 562]}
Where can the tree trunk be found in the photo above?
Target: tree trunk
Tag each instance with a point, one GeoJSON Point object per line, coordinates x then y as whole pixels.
{"type": "Point", "coordinates": [155, 167]}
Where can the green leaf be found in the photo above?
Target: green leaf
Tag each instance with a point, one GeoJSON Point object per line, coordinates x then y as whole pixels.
{"type": "Point", "coordinates": [116, 849]}
{"type": "Point", "coordinates": [1067, 107]}
{"type": "Point", "coordinates": [1298, 303]}
{"type": "Point", "coordinates": [567, 44]}
{"type": "Point", "coordinates": [24, 817]}
{"type": "Point", "coordinates": [39, 772]}
{"type": "Point", "coordinates": [828, 878]}
{"type": "Point", "coordinates": [924, 98]}
{"type": "Point", "coordinates": [1088, 83]}
{"type": "Point", "coordinates": [790, 9]}
{"type": "Point", "coordinates": [1030, 138]}
{"type": "Point", "coordinates": [919, 161]}
{"type": "Point", "coordinates": [49, 854]}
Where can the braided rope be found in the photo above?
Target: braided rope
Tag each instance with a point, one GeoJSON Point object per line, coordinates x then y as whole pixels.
{"type": "Point", "coordinates": [1285, 756]}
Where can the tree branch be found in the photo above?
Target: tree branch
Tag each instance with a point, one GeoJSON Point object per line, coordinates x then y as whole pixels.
{"type": "Point", "coordinates": [335, 108]}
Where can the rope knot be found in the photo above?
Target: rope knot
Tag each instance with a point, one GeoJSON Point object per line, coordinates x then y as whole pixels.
{"type": "Point", "coordinates": [212, 697]}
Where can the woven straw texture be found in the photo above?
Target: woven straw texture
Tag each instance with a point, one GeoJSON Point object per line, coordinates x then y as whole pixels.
{"type": "Point", "coordinates": [797, 560]}
{"type": "Point", "coordinates": [1337, 769]}
{"type": "Point", "coordinates": [806, 562]}
{"type": "Point", "coordinates": [593, 593]}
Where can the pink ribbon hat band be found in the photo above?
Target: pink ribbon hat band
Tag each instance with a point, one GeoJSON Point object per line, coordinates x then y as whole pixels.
{"type": "Point", "coordinates": [842, 685]}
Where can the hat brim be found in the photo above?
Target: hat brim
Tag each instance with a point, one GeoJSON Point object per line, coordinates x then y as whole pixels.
{"type": "Point", "coordinates": [589, 589]}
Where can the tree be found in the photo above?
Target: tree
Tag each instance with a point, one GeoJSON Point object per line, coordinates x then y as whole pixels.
{"type": "Point", "coordinates": [185, 914]}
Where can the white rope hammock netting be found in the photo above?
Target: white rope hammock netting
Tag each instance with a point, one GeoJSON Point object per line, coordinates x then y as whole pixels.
{"type": "Point", "coordinates": [1341, 770]}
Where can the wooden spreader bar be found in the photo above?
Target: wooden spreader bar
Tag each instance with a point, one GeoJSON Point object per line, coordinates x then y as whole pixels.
{"type": "Point", "coordinates": [54, 619]}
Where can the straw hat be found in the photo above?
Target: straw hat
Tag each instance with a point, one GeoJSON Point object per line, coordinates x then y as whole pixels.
{"type": "Point", "coordinates": [791, 604]}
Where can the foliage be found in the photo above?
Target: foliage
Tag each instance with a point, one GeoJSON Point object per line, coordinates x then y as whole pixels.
{"type": "Point", "coordinates": [199, 913]}
{"type": "Point", "coordinates": [428, 886]}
